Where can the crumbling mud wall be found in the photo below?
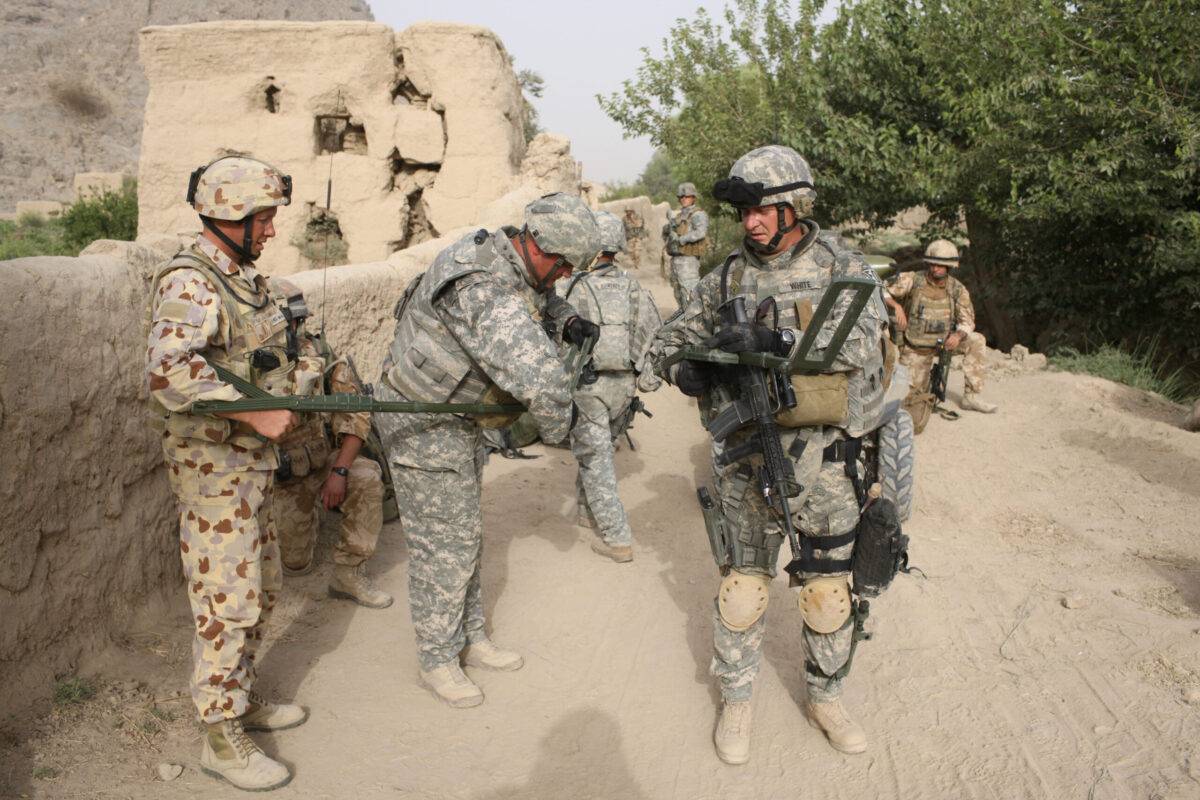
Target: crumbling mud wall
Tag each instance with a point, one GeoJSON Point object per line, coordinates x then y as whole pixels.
{"type": "Point", "coordinates": [87, 523]}
{"type": "Point", "coordinates": [419, 130]}
{"type": "Point", "coordinates": [73, 91]}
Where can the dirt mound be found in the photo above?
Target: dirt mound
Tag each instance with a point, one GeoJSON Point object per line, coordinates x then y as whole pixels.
{"type": "Point", "coordinates": [72, 88]}
{"type": "Point", "coordinates": [1050, 650]}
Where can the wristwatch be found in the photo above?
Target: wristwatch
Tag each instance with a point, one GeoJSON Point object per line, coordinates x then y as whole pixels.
{"type": "Point", "coordinates": [787, 340]}
{"type": "Point", "coordinates": [343, 471]}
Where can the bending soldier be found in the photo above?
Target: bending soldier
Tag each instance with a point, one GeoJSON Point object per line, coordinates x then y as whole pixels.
{"type": "Point", "coordinates": [316, 472]}
{"type": "Point", "coordinates": [783, 268]}
{"type": "Point", "coordinates": [628, 320]}
{"type": "Point", "coordinates": [932, 308]}
{"type": "Point", "coordinates": [465, 333]}
{"type": "Point", "coordinates": [686, 238]}
{"type": "Point", "coordinates": [210, 307]}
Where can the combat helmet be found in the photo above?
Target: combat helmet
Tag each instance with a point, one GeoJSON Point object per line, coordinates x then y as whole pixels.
{"type": "Point", "coordinates": [236, 188]}
{"type": "Point", "coordinates": [563, 225]}
{"type": "Point", "coordinates": [687, 189]}
{"type": "Point", "coordinates": [612, 232]}
{"type": "Point", "coordinates": [942, 252]}
{"type": "Point", "coordinates": [772, 175]}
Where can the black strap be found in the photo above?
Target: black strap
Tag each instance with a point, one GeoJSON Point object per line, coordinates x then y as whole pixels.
{"type": "Point", "coordinates": [725, 277]}
{"type": "Point", "coordinates": [810, 562]}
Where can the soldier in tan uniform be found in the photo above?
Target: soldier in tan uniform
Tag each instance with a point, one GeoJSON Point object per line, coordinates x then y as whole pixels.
{"type": "Point", "coordinates": [933, 306]}
{"type": "Point", "coordinates": [317, 473]}
{"type": "Point", "coordinates": [209, 306]}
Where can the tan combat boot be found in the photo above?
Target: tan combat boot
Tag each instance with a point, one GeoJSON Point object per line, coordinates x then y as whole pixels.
{"type": "Point", "coordinates": [621, 553]}
{"type": "Point", "coordinates": [843, 733]}
{"type": "Point", "coordinates": [973, 402]}
{"type": "Point", "coordinates": [450, 684]}
{"type": "Point", "coordinates": [231, 754]}
{"type": "Point", "coordinates": [487, 655]}
{"type": "Point", "coordinates": [262, 715]}
{"type": "Point", "coordinates": [732, 736]}
{"type": "Point", "coordinates": [352, 583]}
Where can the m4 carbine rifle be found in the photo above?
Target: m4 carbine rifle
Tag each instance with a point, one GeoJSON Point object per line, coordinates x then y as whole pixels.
{"type": "Point", "coordinates": [939, 374]}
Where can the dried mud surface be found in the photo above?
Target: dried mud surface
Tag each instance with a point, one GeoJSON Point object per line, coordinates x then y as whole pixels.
{"type": "Point", "coordinates": [1050, 651]}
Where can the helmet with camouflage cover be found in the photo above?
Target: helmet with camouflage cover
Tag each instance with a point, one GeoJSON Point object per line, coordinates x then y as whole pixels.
{"type": "Point", "coordinates": [235, 188]}
{"type": "Point", "coordinates": [941, 252]}
{"type": "Point", "coordinates": [772, 175]}
{"type": "Point", "coordinates": [687, 189]}
{"type": "Point", "coordinates": [612, 232]}
{"type": "Point", "coordinates": [562, 224]}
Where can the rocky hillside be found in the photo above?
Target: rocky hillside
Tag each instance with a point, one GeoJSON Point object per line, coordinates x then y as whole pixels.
{"type": "Point", "coordinates": [71, 88]}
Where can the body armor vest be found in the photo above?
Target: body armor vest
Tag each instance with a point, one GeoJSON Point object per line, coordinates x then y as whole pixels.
{"type": "Point", "coordinates": [425, 363]}
{"type": "Point", "coordinates": [250, 322]}
{"type": "Point", "coordinates": [797, 290]}
{"type": "Point", "coordinates": [931, 311]}
{"type": "Point", "coordinates": [607, 297]}
{"type": "Point", "coordinates": [680, 226]}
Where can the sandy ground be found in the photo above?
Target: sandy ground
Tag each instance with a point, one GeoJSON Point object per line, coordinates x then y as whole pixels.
{"type": "Point", "coordinates": [1051, 651]}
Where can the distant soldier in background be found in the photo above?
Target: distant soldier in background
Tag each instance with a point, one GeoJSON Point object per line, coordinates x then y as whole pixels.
{"type": "Point", "coordinates": [931, 308]}
{"type": "Point", "coordinates": [466, 333]}
{"type": "Point", "coordinates": [686, 239]}
{"type": "Point", "coordinates": [209, 306]}
{"type": "Point", "coordinates": [316, 472]}
{"type": "Point", "coordinates": [628, 320]}
{"type": "Point", "coordinates": [635, 227]}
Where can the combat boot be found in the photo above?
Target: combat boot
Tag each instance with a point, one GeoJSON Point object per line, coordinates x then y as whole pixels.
{"type": "Point", "coordinates": [732, 736]}
{"type": "Point", "coordinates": [262, 715]}
{"type": "Point", "coordinates": [352, 583]}
{"type": "Point", "coordinates": [487, 655]}
{"type": "Point", "coordinates": [229, 753]}
{"type": "Point", "coordinates": [450, 684]}
{"type": "Point", "coordinates": [843, 733]}
{"type": "Point", "coordinates": [973, 402]}
{"type": "Point", "coordinates": [621, 553]}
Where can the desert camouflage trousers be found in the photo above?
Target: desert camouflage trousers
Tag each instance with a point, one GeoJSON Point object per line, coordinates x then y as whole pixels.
{"type": "Point", "coordinates": [443, 525]}
{"type": "Point", "coordinates": [231, 564]}
{"type": "Point", "coordinates": [684, 275]}
{"type": "Point", "coordinates": [973, 349]}
{"type": "Point", "coordinates": [596, 494]}
{"type": "Point", "coordinates": [829, 509]}
{"type": "Point", "coordinates": [298, 514]}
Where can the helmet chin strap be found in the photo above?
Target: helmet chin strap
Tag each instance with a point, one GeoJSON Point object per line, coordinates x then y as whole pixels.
{"type": "Point", "coordinates": [781, 230]}
{"type": "Point", "coordinates": [245, 251]}
{"type": "Point", "coordinates": [540, 286]}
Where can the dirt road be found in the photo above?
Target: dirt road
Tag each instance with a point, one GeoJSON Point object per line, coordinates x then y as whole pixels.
{"type": "Point", "coordinates": [1050, 651]}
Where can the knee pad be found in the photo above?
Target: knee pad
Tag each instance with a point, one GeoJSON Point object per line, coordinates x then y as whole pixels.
{"type": "Point", "coordinates": [742, 599]}
{"type": "Point", "coordinates": [825, 603]}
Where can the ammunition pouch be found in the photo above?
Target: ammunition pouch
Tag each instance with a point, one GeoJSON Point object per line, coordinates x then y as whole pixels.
{"type": "Point", "coordinates": [693, 249]}
{"type": "Point", "coordinates": [820, 400]}
{"type": "Point", "coordinates": [755, 547]}
{"type": "Point", "coordinates": [881, 550]}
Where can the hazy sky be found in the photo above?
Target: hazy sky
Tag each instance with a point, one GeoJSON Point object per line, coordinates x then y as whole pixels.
{"type": "Point", "coordinates": [581, 49]}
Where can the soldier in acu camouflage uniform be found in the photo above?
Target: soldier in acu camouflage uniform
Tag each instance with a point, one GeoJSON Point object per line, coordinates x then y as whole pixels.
{"type": "Point", "coordinates": [784, 256]}
{"type": "Point", "coordinates": [315, 474]}
{"type": "Point", "coordinates": [210, 307]}
{"type": "Point", "coordinates": [466, 333]}
{"type": "Point", "coordinates": [936, 306]}
{"type": "Point", "coordinates": [628, 320]}
{"type": "Point", "coordinates": [685, 236]}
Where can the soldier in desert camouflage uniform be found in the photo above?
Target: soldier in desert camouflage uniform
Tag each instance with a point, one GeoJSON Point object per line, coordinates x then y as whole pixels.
{"type": "Point", "coordinates": [685, 238]}
{"type": "Point", "coordinates": [466, 333]}
{"type": "Point", "coordinates": [936, 306]}
{"type": "Point", "coordinates": [628, 320]}
{"type": "Point", "coordinates": [784, 256]}
{"type": "Point", "coordinates": [209, 306]}
{"type": "Point", "coordinates": [315, 474]}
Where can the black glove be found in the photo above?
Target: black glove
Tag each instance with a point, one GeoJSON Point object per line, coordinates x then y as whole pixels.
{"type": "Point", "coordinates": [578, 330]}
{"type": "Point", "coordinates": [588, 374]}
{"type": "Point", "coordinates": [693, 377]}
{"type": "Point", "coordinates": [741, 337]}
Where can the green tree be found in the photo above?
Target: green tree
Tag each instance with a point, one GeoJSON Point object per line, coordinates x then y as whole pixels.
{"type": "Point", "coordinates": [532, 86]}
{"type": "Point", "coordinates": [1065, 133]}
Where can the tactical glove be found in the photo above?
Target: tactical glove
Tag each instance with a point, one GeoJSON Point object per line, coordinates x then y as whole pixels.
{"type": "Point", "coordinates": [578, 330]}
{"type": "Point", "coordinates": [742, 337]}
{"type": "Point", "coordinates": [693, 377]}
